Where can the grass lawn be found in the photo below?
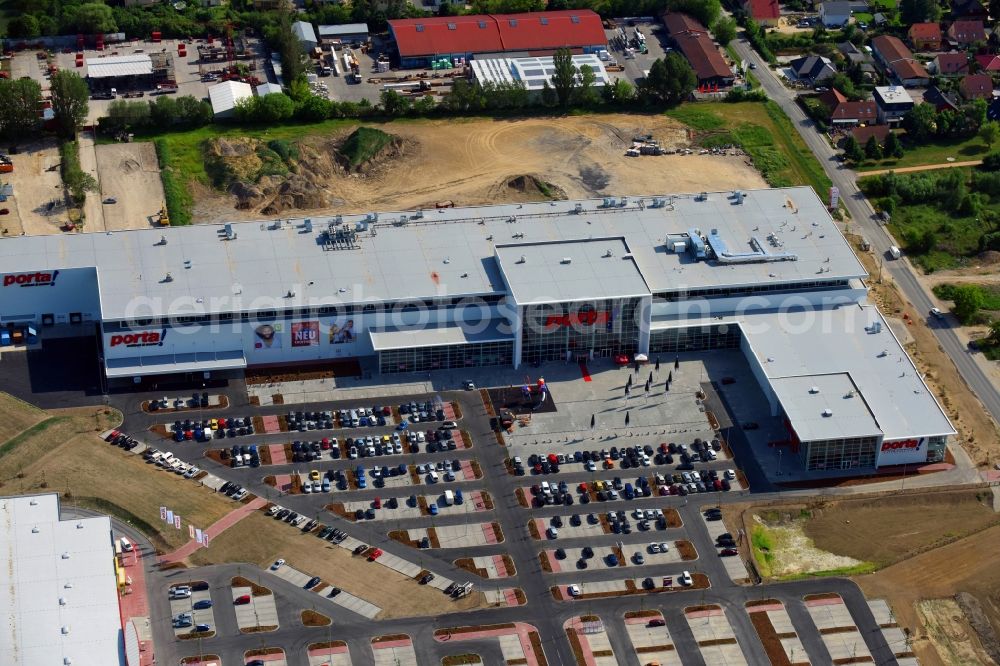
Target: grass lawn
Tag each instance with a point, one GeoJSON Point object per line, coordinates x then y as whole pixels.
{"type": "Point", "coordinates": [932, 153]}
{"type": "Point", "coordinates": [63, 454]}
{"type": "Point", "coordinates": [260, 540]}
{"type": "Point", "coordinates": [765, 132]}
{"type": "Point", "coordinates": [990, 294]}
{"type": "Point", "coordinates": [958, 237]}
{"type": "Point", "coordinates": [18, 416]}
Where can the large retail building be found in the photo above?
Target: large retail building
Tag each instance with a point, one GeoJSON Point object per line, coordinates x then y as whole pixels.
{"type": "Point", "coordinates": [763, 271]}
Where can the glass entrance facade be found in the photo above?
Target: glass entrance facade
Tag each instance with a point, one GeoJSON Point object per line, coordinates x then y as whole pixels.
{"type": "Point", "coordinates": [695, 338]}
{"type": "Point", "coordinates": [606, 327]}
{"type": "Point", "coordinates": [443, 357]}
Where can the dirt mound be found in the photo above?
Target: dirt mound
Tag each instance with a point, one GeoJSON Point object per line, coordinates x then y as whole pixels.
{"type": "Point", "coordinates": [366, 149]}
{"type": "Point", "coordinates": [989, 257]}
{"type": "Point", "coordinates": [128, 166]}
{"type": "Point", "coordinates": [534, 188]}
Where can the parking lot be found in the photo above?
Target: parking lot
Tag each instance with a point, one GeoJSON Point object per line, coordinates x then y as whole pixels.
{"type": "Point", "coordinates": [496, 521]}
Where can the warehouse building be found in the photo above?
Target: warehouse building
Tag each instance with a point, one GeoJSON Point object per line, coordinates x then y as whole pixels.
{"type": "Point", "coordinates": [226, 95]}
{"type": "Point", "coordinates": [136, 71]}
{"type": "Point", "coordinates": [506, 285]}
{"type": "Point", "coordinates": [421, 41]}
{"type": "Point", "coordinates": [348, 33]}
{"type": "Point", "coordinates": [533, 72]}
{"type": "Point", "coordinates": [60, 602]}
{"type": "Point", "coordinates": [306, 35]}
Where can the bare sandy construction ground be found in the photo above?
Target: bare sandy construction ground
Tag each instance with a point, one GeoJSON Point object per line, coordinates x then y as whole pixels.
{"type": "Point", "coordinates": [36, 185]}
{"type": "Point", "coordinates": [129, 173]}
{"type": "Point", "coordinates": [471, 162]}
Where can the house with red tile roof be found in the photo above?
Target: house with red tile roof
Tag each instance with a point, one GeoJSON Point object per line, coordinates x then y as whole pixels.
{"type": "Point", "coordinates": [988, 63]}
{"type": "Point", "coordinates": [925, 36]}
{"type": "Point", "coordinates": [764, 12]}
{"type": "Point", "coordinates": [854, 113]}
{"type": "Point", "coordinates": [951, 64]}
{"type": "Point", "coordinates": [693, 41]}
{"type": "Point", "coordinates": [899, 62]}
{"type": "Point", "coordinates": [966, 33]}
{"type": "Point", "coordinates": [976, 86]}
{"type": "Point", "coordinates": [863, 134]}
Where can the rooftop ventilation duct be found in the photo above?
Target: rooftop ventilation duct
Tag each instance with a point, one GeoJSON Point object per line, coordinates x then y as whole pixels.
{"type": "Point", "coordinates": [827, 412]}
{"type": "Point", "coordinates": [814, 389]}
{"type": "Point", "coordinates": [566, 260]}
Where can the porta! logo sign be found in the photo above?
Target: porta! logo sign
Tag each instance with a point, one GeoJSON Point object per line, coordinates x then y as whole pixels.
{"type": "Point", "coordinates": [144, 339]}
{"type": "Point", "coordinates": [902, 445]}
{"type": "Point", "coordinates": [39, 279]}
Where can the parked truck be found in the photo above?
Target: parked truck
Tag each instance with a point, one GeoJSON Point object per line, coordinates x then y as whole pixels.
{"type": "Point", "coordinates": [449, 498]}
{"type": "Point", "coordinates": [894, 252]}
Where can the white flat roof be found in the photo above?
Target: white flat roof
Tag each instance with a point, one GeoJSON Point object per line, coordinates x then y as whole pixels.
{"type": "Point", "coordinates": [797, 349]}
{"type": "Point", "coordinates": [162, 364]}
{"type": "Point", "coordinates": [343, 29]}
{"type": "Point", "coordinates": [893, 94]}
{"type": "Point", "coordinates": [560, 271]}
{"type": "Point", "coordinates": [434, 253]}
{"type": "Point", "coordinates": [60, 601]}
{"type": "Point", "coordinates": [135, 64]}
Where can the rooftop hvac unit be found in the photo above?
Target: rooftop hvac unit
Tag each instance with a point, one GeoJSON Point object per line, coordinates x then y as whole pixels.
{"type": "Point", "coordinates": [828, 412]}
{"type": "Point", "coordinates": [522, 260]}
{"type": "Point", "coordinates": [371, 217]}
{"type": "Point", "coordinates": [578, 208]}
{"type": "Point", "coordinates": [609, 202]}
{"type": "Point", "coordinates": [623, 202]}
{"type": "Point", "coordinates": [609, 253]}
{"type": "Point", "coordinates": [566, 260]}
{"type": "Point", "coordinates": [702, 197]}
{"type": "Point", "coordinates": [419, 215]}
{"type": "Point", "coordinates": [658, 202]}
{"type": "Point", "coordinates": [308, 226]}
{"type": "Point", "coordinates": [876, 327]}
{"type": "Point", "coordinates": [814, 390]}
{"type": "Point", "coordinates": [277, 225]}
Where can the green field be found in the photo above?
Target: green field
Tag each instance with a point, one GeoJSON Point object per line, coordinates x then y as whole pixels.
{"type": "Point", "coordinates": [764, 132]}
{"type": "Point", "coordinates": [931, 153]}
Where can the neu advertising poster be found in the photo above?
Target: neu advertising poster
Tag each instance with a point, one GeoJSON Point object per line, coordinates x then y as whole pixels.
{"type": "Point", "coordinates": [305, 334]}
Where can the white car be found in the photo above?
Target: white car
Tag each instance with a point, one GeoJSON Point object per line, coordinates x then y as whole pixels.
{"type": "Point", "coordinates": [277, 565]}
{"type": "Point", "coordinates": [573, 590]}
{"type": "Point", "coordinates": [552, 532]}
{"type": "Point", "coordinates": [352, 453]}
{"type": "Point", "coordinates": [664, 546]}
{"type": "Point", "coordinates": [306, 487]}
{"type": "Point", "coordinates": [936, 313]}
{"type": "Point", "coordinates": [654, 547]}
{"type": "Point", "coordinates": [180, 592]}
{"type": "Point", "coordinates": [730, 474]}
{"type": "Point", "coordinates": [686, 579]}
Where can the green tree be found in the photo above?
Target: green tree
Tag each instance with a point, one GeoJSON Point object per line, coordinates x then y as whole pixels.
{"type": "Point", "coordinates": [619, 92]}
{"type": "Point", "coordinates": [706, 11]}
{"type": "Point", "coordinates": [24, 26]}
{"type": "Point", "coordinates": [845, 85]}
{"type": "Point", "coordinates": [274, 108]}
{"type": "Point", "coordinates": [873, 149]}
{"type": "Point", "coordinates": [852, 150]}
{"type": "Point", "coordinates": [393, 103]}
{"type": "Point", "coordinates": [893, 146]}
{"type": "Point", "coordinates": [20, 100]}
{"type": "Point", "coordinates": [163, 111]}
{"type": "Point", "coordinates": [968, 300]}
{"type": "Point", "coordinates": [919, 11]}
{"type": "Point", "coordinates": [671, 79]}
{"type": "Point", "coordinates": [563, 76]}
{"type": "Point", "coordinates": [93, 18]}
{"type": "Point", "coordinates": [548, 95]}
{"type": "Point", "coordinates": [125, 115]}
{"type": "Point", "coordinates": [193, 112]}
{"type": "Point", "coordinates": [920, 122]}
{"type": "Point", "coordinates": [586, 94]}
{"type": "Point", "coordinates": [724, 30]}
{"type": "Point", "coordinates": [69, 101]}
{"type": "Point", "coordinates": [314, 108]}
{"type": "Point", "coordinates": [989, 133]}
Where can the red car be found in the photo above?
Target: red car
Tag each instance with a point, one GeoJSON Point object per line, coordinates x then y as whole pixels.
{"type": "Point", "coordinates": [375, 554]}
{"type": "Point", "coordinates": [111, 435]}
{"type": "Point", "coordinates": [582, 487]}
{"type": "Point", "coordinates": [377, 503]}
{"type": "Point", "coordinates": [242, 600]}
{"type": "Point", "coordinates": [728, 552]}
{"type": "Point", "coordinates": [621, 359]}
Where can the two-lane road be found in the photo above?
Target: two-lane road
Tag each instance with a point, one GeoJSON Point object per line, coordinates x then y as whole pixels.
{"type": "Point", "coordinates": [863, 214]}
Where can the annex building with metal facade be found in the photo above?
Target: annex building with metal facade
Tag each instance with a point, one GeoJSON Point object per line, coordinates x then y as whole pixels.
{"type": "Point", "coordinates": [505, 285]}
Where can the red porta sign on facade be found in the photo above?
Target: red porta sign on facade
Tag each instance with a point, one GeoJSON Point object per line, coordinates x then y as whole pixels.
{"type": "Point", "coordinates": [902, 445]}
{"type": "Point", "coordinates": [305, 334]}
{"type": "Point", "coordinates": [143, 339]}
{"type": "Point", "coordinates": [582, 318]}
{"type": "Point", "coordinates": [39, 279]}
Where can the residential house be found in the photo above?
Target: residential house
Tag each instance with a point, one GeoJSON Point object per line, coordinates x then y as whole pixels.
{"type": "Point", "coordinates": [941, 100]}
{"type": "Point", "coordinates": [863, 134]}
{"type": "Point", "coordinates": [976, 86]}
{"type": "Point", "coordinates": [988, 63]}
{"type": "Point", "coordinates": [844, 113]}
{"type": "Point", "coordinates": [893, 102]}
{"type": "Point", "coordinates": [835, 14]}
{"type": "Point", "coordinates": [965, 33]}
{"type": "Point", "coordinates": [765, 12]}
{"type": "Point", "coordinates": [951, 64]}
{"type": "Point", "coordinates": [925, 36]}
{"type": "Point", "coordinates": [812, 69]}
{"type": "Point", "coordinates": [899, 62]}
{"type": "Point", "coordinates": [691, 38]}
{"type": "Point", "coordinates": [305, 34]}
{"type": "Point", "coordinates": [857, 57]}
{"type": "Point", "coordinates": [968, 9]}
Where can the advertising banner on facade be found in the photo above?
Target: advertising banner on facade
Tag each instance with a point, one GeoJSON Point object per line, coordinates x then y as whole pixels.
{"type": "Point", "coordinates": [339, 334]}
{"type": "Point", "coordinates": [268, 336]}
{"type": "Point", "coordinates": [163, 513]}
{"type": "Point", "coordinates": [305, 334]}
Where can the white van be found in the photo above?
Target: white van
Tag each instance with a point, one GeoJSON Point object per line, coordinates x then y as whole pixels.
{"type": "Point", "coordinates": [434, 476]}
{"type": "Point", "coordinates": [126, 545]}
{"type": "Point", "coordinates": [449, 498]}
